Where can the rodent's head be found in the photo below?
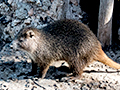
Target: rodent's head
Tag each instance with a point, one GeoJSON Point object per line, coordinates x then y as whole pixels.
{"type": "Point", "coordinates": [26, 39]}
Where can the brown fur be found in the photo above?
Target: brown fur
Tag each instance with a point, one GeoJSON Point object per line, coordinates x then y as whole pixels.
{"type": "Point", "coordinates": [67, 40]}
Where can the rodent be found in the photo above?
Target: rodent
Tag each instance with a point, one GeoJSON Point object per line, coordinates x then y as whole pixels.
{"type": "Point", "coordinates": [67, 40]}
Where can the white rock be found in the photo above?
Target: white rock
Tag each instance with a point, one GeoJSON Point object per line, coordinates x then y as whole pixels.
{"type": "Point", "coordinates": [10, 1]}
{"type": "Point", "coordinates": [56, 5]}
{"type": "Point", "coordinates": [15, 22]}
{"type": "Point", "coordinates": [4, 9]}
{"type": "Point", "coordinates": [21, 13]}
{"type": "Point", "coordinates": [28, 21]}
{"type": "Point", "coordinates": [44, 8]}
{"type": "Point", "coordinates": [46, 4]}
{"type": "Point", "coordinates": [38, 3]}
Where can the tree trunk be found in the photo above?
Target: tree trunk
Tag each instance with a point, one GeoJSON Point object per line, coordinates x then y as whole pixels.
{"type": "Point", "coordinates": [105, 22]}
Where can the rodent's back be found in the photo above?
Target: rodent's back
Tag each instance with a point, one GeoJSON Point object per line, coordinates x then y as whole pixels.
{"type": "Point", "coordinates": [71, 37]}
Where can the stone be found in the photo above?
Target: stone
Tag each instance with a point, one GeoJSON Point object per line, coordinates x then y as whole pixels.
{"type": "Point", "coordinates": [4, 9]}
{"type": "Point", "coordinates": [31, 12]}
{"type": "Point", "coordinates": [28, 21]}
{"type": "Point", "coordinates": [38, 3]}
{"type": "Point", "coordinates": [56, 9]}
{"type": "Point", "coordinates": [15, 22]}
{"type": "Point", "coordinates": [74, 2]}
{"type": "Point", "coordinates": [46, 4]}
{"type": "Point", "coordinates": [21, 13]}
{"type": "Point", "coordinates": [10, 1]}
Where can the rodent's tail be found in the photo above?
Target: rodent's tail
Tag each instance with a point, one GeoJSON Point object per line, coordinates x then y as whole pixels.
{"type": "Point", "coordinates": [102, 57]}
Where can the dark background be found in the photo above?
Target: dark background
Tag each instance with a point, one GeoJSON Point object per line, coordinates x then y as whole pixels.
{"type": "Point", "coordinates": [91, 17]}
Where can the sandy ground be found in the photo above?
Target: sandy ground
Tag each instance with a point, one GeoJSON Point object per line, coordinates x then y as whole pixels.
{"type": "Point", "coordinates": [14, 69]}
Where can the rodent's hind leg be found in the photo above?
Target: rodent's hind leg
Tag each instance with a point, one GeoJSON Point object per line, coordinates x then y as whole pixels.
{"type": "Point", "coordinates": [43, 70]}
{"type": "Point", "coordinates": [76, 67]}
{"type": "Point", "coordinates": [76, 74]}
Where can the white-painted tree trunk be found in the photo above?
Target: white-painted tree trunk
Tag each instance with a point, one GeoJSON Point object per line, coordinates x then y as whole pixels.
{"type": "Point", "coordinates": [105, 22]}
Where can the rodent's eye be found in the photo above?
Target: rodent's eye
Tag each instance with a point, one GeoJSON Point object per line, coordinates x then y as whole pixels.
{"type": "Point", "coordinates": [31, 36]}
{"type": "Point", "coordinates": [20, 40]}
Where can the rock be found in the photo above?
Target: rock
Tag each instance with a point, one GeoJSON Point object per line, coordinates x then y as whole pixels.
{"type": "Point", "coordinates": [56, 5]}
{"type": "Point", "coordinates": [31, 12]}
{"type": "Point", "coordinates": [8, 18]}
{"type": "Point", "coordinates": [14, 3]}
{"type": "Point", "coordinates": [4, 9]}
{"type": "Point", "coordinates": [28, 21]}
{"type": "Point", "coordinates": [10, 1]}
{"type": "Point", "coordinates": [74, 2]}
{"type": "Point", "coordinates": [46, 4]}
{"type": "Point", "coordinates": [23, 11]}
{"type": "Point", "coordinates": [15, 22]}
{"type": "Point", "coordinates": [38, 3]}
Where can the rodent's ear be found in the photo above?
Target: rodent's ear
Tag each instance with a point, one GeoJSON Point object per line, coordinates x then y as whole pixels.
{"type": "Point", "coordinates": [30, 33]}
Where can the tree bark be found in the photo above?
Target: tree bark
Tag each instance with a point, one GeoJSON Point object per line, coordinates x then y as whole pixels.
{"type": "Point", "coordinates": [105, 22]}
